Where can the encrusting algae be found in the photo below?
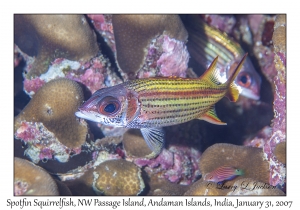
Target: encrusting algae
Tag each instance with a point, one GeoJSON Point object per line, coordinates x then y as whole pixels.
{"type": "Point", "coordinates": [152, 103]}
{"type": "Point", "coordinates": [54, 106]}
{"type": "Point", "coordinates": [133, 33]}
{"type": "Point", "coordinates": [48, 125]}
{"type": "Point", "coordinates": [176, 160]}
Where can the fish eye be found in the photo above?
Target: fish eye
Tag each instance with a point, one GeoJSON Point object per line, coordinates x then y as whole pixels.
{"type": "Point", "coordinates": [109, 106]}
{"type": "Point", "coordinates": [244, 79]}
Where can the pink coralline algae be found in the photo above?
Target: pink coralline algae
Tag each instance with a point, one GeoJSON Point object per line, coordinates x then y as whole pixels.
{"type": "Point", "coordinates": [28, 132]}
{"type": "Point", "coordinates": [174, 59]}
{"type": "Point", "coordinates": [222, 22]}
{"type": "Point", "coordinates": [177, 164]}
{"type": "Point", "coordinates": [103, 25]}
{"type": "Point", "coordinates": [276, 74]}
{"type": "Point", "coordinates": [93, 77]}
{"type": "Point", "coordinates": [140, 48]}
{"type": "Point", "coordinates": [33, 85]}
{"type": "Point", "coordinates": [42, 144]}
{"type": "Point", "coordinates": [165, 57]}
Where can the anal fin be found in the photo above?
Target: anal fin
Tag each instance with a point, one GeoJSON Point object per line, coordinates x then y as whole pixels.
{"type": "Point", "coordinates": [154, 138]}
{"type": "Point", "coordinates": [211, 116]}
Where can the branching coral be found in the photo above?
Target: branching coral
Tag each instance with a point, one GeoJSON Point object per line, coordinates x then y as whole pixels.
{"type": "Point", "coordinates": [50, 115]}
{"type": "Point", "coordinates": [54, 36]}
{"type": "Point", "coordinates": [30, 179]}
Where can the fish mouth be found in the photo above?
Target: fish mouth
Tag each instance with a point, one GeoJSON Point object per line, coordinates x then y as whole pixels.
{"type": "Point", "coordinates": [87, 116]}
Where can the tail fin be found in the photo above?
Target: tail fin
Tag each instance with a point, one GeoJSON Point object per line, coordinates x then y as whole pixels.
{"type": "Point", "coordinates": [233, 90]}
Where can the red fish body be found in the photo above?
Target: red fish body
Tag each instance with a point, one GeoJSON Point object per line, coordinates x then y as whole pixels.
{"type": "Point", "coordinates": [152, 103]}
{"type": "Point", "coordinates": [223, 173]}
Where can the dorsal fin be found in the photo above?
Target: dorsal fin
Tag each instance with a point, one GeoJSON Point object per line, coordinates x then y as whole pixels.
{"type": "Point", "coordinates": [233, 90]}
{"type": "Point", "coordinates": [211, 74]}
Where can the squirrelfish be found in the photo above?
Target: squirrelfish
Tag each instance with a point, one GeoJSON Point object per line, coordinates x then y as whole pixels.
{"type": "Point", "coordinates": [152, 103]}
{"type": "Point", "coordinates": [223, 173]}
{"type": "Point", "coordinates": [206, 42]}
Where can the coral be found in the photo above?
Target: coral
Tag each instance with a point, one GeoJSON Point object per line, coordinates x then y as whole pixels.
{"type": "Point", "coordinates": [273, 67]}
{"type": "Point", "coordinates": [48, 122]}
{"type": "Point", "coordinates": [249, 159]}
{"type": "Point", "coordinates": [280, 152]}
{"type": "Point", "coordinates": [135, 145]}
{"type": "Point", "coordinates": [279, 42]}
{"type": "Point", "coordinates": [117, 177]}
{"type": "Point", "coordinates": [54, 36]}
{"type": "Point", "coordinates": [133, 33]}
{"type": "Point", "coordinates": [54, 105]}
{"type": "Point", "coordinates": [178, 164]}
{"type": "Point", "coordinates": [202, 187]}
{"type": "Point", "coordinates": [162, 187]}
{"type": "Point", "coordinates": [176, 170]}
{"type": "Point", "coordinates": [30, 179]}
{"type": "Point", "coordinates": [224, 23]}
{"type": "Point", "coordinates": [103, 24]}
{"type": "Point", "coordinates": [248, 186]}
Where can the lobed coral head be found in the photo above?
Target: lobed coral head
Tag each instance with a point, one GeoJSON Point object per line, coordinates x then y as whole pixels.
{"type": "Point", "coordinates": [133, 33]}
{"type": "Point", "coordinates": [30, 179]}
{"type": "Point", "coordinates": [135, 145]}
{"type": "Point", "coordinates": [249, 159]}
{"type": "Point", "coordinates": [54, 36]}
{"type": "Point", "coordinates": [117, 177]}
{"type": "Point", "coordinates": [54, 105]}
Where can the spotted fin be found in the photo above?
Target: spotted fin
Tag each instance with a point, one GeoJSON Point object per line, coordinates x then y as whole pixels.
{"type": "Point", "coordinates": [211, 116]}
{"type": "Point", "coordinates": [154, 138]}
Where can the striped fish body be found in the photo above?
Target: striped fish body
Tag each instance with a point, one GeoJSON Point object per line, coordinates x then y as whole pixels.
{"type": "Point", "coordinates": [223, 173]}
{"type": "Point", "coordinates": [152, 103]}
{"type": "Point", "coordinates": [206, 42]}
{"type": "Point", "coordinates": [171, 101]}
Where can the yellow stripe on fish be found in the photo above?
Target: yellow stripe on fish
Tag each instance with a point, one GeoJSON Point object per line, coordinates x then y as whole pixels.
{"type": "Point", "coordinates": [206, 42]}
{"type": "Point", "coordinates": [152, 103]}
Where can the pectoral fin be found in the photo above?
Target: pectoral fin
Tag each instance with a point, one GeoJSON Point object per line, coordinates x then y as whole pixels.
{"type": "Point", "coordinates": [211, 116]}
{"type": "Point", "coordinates": [154, 138]}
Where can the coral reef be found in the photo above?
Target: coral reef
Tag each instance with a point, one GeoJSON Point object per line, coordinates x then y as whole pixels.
{"type": "Point", "coordinates": [162, 187]}
{"type": "Point", "coordinates": [30, 179]}
{"type": "Point", "coordinates": [251, 160]}
{"type": "Point", "coordinates": [117, 177]}
{"type": "Point", "coordinates": [280, 152]}
{"type": "Point", "coordinates": [48, 123]}
{"type": "Point", "coordinates": [178, 164]}
{"type": "Point", "coordinates": [135, 33]}
{"type": "Point", "coordinates": [135, 145]}
{"type": "Point", "coordinates": [273, 67]}
{"type": "Point", "coordinates": [117, 161]}
{"type": "Point", "coordinates": [109, 176]}
{"type": "Point", "coordinates": [47, 37]}
{"type": "Point", "coordinates": [202, 187]}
